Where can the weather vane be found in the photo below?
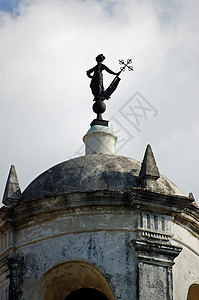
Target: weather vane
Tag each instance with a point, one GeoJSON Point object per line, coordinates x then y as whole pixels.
{"type": "Point", "coordinates": [97, 86]}
{"type": "Point", "coordinates": [128, 62]}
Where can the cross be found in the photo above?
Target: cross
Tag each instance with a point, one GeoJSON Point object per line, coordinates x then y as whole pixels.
{"type": "Point", "coordinates": [128, 62]}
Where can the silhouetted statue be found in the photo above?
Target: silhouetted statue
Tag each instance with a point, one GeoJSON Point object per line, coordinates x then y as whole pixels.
{"type": "Point", "coordinates": [96, 85]}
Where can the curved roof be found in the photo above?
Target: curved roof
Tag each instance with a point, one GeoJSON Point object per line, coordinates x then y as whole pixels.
{"type": "Point", "coordinates": [91, 173]}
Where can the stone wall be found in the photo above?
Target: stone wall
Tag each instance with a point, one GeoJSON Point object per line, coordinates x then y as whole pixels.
{"type": "Point", "coordinates": [99, 236]}
{"type": "Point", "coordinates": [186, 268]}
{"type": "Point", "coordinates": [126, 244]}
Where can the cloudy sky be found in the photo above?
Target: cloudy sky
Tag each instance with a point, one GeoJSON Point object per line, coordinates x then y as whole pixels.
{"type": "Point", "coordinates": [46, 104]}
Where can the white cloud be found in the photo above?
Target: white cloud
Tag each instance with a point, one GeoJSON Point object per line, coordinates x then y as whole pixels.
{"type": "Point", "coordinates": [45, 95]}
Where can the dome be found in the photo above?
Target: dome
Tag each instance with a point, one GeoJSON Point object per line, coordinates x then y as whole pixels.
{"type": "Point", "coordinates": [91, 173]}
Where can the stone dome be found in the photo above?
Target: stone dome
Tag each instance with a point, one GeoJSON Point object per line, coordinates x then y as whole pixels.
{"type": "Point", "coordinates": [91, 173]}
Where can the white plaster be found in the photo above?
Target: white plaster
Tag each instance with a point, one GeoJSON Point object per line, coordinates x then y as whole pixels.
{"type": "Point", "coordinates": [101, 237]}
{"type": "Point", "coordinates": [108, 251]}
{"type": "Point", "coordinates": [185, 270]}
{"type": "Point", "coordinates": [148, 222]}
{"type": "Point", "coordinates": [84, 221]}
{"type": "Point", "coordinates": [100, 139]}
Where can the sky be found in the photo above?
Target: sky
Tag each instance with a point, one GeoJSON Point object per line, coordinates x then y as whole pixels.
{"type": "Point", "coordinates": [46, 103]}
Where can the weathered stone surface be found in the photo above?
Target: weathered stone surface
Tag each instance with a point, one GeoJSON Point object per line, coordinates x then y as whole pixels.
{"type": "Point", "coordinates": [147, 200]}
{"type": "Point", "coordinates": [12, 191]}
{"type": "Point", "coordinates": [93, 227]}
{"type": "Point", "coordinates": [68, 277]}
{"type": "Point", "coordinates": [157, 253]}
{"type": "Point", "coordinates": [16, 272]}
{"type": "Point", "coordinates": [152, 282]}
{"type": "Point", "coordinates": [4, 277]}
{"type": "Point", "coordinates": [149, 171]}
{"type": "Point", "coordinates": [91, 173]}
{"type": "Point", "coordinates": [154, 268]}
{"type": "Point", "coordinates": [76, 233]}
{"type": "Point", "coordinates": [107, 250]}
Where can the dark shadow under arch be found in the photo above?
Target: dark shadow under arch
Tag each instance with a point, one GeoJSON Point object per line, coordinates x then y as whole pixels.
{"type": "Point", "coordinates": [87, 294]}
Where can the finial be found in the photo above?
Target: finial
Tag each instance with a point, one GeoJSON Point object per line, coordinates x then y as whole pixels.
{"type": "Point", "coordinates": [97, 86]}
{"type": "Point", "coordinates": [12, 192]}
{"type": "Point", "coordinates": [191, 196]}
{"type": "Point", "coordinates": [149, 170]}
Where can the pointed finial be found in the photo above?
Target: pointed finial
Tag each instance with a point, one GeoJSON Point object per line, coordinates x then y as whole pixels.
{"type": "Point", "coordinates": [12, 192]}
{"type": "Point", "coordinates": [149, 171]}
{"type": "Point", "coordinates": [191, 196]}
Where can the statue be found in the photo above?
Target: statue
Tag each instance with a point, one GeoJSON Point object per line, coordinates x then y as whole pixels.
{"type": "Point", "coordinates": [97, 86]}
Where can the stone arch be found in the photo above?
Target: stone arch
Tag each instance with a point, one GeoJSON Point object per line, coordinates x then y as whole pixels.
{"type": "Point", "coordinates": [61, 280]}
{"type": "Point", "coordinates": [193, 292]}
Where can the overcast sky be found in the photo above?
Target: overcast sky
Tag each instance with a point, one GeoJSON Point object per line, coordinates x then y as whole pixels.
{"type": "Point", "coordinates": [46, 103]}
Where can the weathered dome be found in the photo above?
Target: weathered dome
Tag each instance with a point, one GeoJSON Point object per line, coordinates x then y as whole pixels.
{"type": "Point", "coordinates": [91, 173]}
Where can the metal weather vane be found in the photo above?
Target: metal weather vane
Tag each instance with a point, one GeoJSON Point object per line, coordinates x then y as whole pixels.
{"type": "Point", "coordinates": [97, 87]}
{"type": "Point", "coordinates": [128, 62]}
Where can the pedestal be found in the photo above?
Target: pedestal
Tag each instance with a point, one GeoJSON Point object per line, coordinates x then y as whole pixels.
{"type": "Point", "coordinates": [100, 139]}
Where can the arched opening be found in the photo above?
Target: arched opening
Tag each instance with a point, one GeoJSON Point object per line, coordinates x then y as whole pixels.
{"type": "Point", "coordinates": [73, 280]}
{"type": "Point", "coordinates": [86, 294]}
{"type": "Point", "coordinates": [193, 293]}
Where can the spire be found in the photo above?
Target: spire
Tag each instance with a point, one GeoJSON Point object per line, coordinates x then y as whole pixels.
{"type": "Point", "coordinates": [12, 192]}
{"type": "Point", "coordinates": [191, 196]}
{"type": "Point", "coordinates": [149, 171]}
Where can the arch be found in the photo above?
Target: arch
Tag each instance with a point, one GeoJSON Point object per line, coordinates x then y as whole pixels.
{"type": "Point", "coordinates": [63, 279]}
{"type": "Point", "coordinates": [193, 292]}
{"type": "Point", "coordinates": [87, 294]}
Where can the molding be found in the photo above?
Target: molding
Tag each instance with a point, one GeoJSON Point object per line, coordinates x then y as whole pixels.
{"type": "Point", "coordinates": [149, 234]}
{"type": "Point", "coordinates": [144, 199]}
{"type": "Point", "coordinates": [189, 218]}
{"type": "Point", "coordinates": [137, 199]}
{"type": "Point", "coordinates": [156, 253]}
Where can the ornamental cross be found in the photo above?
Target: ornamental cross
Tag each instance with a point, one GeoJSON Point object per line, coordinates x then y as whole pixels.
{"type": "Point", "coordinates": [128, 62]}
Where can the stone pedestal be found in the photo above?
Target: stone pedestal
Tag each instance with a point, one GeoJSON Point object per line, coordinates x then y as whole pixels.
{"type": "Point", "coordinates": [100, 139]}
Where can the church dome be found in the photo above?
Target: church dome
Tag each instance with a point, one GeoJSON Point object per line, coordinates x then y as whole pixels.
{"type": "Point", "coordinates": [91, 173]}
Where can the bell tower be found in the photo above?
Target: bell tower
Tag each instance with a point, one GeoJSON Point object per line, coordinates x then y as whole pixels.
{"type": "Point", "coordinates": [99, 226]}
